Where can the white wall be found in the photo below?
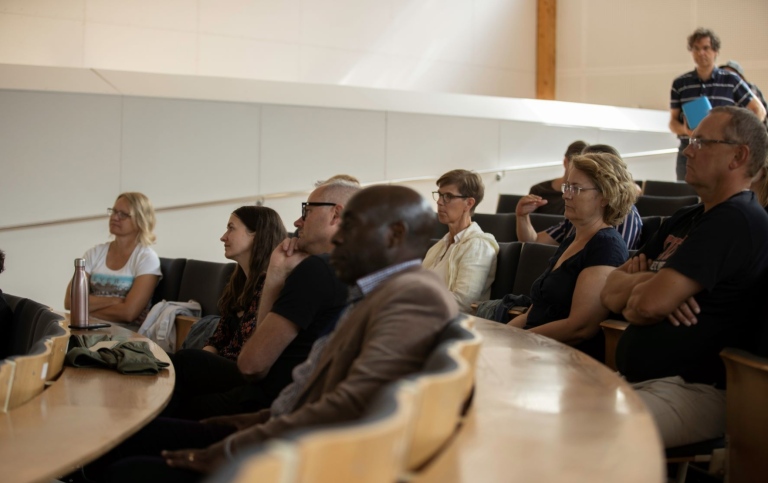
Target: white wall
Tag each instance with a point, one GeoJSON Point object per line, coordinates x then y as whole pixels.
{"type": "Point", "coordinates": [627, 52]}
{"type": "Point", "coordinates": [471, 46]}
{"type": "Point", "coordinates": [68, 155]}
{"type": "Point", "coordinates": [611, 52]}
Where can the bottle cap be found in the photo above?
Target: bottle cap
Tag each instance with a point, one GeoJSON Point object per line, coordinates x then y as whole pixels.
{"type": "Point", "coordinates": [79, 262]}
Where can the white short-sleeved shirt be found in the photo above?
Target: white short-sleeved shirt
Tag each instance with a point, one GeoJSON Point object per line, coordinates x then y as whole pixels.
{"type": "Point", "coordinates": [105, 282]}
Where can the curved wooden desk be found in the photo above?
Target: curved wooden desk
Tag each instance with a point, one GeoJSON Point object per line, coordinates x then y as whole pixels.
{"type": "Point", "coordinates": [544, 412]}
{"type": "Point", "coordinates": [82, 415]}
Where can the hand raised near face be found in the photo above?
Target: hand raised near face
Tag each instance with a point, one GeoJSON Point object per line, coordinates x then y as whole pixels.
{"type": "Point", "coordinates": [284, 259]}
{"type": "Point", "coordinates": [528, 204]}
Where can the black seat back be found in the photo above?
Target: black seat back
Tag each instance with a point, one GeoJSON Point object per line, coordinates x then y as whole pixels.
{"type": "Point", "coordinates": [506, 268]}
{"type": "Point", "coordinates": [542, 221]}
{"type": "Point", "coordinates": [667, 188]}
{"type": "Point", "coordinates": [500, 225]}
{"type": "Point", "coordinates": [651, 225]}
{"type": "Point", "coordinates": [507, 203]}
{"type": "Point", "coordinates": [169, 285]}
{"type": "Point", "coordinates": [663, 205]}
{"type": "Point", "coordinates": [204, 282]}
{"type": "Point", "coordinates": [25, 320]}
{"type": "Point", "coordinates": [534, 258]}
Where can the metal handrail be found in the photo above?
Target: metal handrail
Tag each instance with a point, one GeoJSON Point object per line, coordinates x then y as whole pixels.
{"type": "Point", "coordinates": [260, 199]}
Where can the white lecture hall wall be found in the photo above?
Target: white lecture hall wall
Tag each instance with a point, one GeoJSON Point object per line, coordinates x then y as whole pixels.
{"type": "Point", "coordinates": [71, 154]}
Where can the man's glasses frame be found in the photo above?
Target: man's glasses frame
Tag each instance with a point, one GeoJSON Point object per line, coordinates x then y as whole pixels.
{"type": "Point", "coordinates": [121, 215]}
{"type": "Point", "coordinates": [699, 142]}
{"type": "Point", "coordinates": [312, 203]}
{"type": "Point", "coordinates": [447, 197]}
{"type": "Point", "coordinates": [575, 190]}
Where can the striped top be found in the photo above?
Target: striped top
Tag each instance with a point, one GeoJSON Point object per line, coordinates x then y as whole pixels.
{"type": "Point", "coordinates": [723, 88]}
{"type": "Point", "coordinates": [629, 230]}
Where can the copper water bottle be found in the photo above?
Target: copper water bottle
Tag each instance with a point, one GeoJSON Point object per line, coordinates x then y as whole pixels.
{"type": "Point", "coordinates": [79, 302]}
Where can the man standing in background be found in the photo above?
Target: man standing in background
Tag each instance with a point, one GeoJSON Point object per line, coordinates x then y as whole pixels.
{"type": "Point", "coordinates": [721, 87]}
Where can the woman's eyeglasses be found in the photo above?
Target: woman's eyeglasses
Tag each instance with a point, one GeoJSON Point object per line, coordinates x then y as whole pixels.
{"type": "Point", "coordinates": [121, 215]}
{"type": "Point", "coordinates": [446, 197]}
{"type": "Point", "coordinates": [575, 190]}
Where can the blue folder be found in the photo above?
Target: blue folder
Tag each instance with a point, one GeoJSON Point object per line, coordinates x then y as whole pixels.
{"type": "Point", "coordinates": [695, 111]}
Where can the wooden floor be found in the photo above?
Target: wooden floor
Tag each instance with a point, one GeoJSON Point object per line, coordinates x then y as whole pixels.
{"type": "Point", "coordinates": [84, 414]}
{"type": "Point", "coordinates": [544, 412]}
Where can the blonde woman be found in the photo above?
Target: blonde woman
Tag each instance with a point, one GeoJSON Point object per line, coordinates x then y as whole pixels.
{"type": "Point", "coordinates": [598, 194]}
{"type": "Point", "coordinates": [123, 273]}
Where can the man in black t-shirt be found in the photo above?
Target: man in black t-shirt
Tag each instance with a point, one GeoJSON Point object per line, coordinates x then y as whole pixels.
{"type": "Point", "coordinates": [696, 286]}
{"type": "Point", "coordinates": [301, 300]}
{"type": "Point", "coordinates": [302, 297]}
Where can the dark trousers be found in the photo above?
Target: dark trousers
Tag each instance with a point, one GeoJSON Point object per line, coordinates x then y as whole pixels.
{"type": "Point", "coordinates": [209, 385]}
{"type": "Point", "coordinates": [138, 458]}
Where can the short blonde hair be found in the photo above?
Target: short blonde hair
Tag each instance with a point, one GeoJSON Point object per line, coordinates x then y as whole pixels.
{"type": "Point", "coordinates": [613, 179]}
{"type": "Point", "coordinates": [143, 214]}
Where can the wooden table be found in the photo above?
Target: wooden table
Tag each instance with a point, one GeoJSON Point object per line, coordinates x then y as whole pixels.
{"type": "Point", "coordinates": [544, 412]}
{"type": "Point", "coordinates": [82, 415]}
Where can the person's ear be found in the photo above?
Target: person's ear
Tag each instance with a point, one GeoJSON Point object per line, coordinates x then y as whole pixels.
{"type": "Point", "coordinates": [740, 156]}
{"type": "Point", "coordinates": [470, 203]}
{"type": "Point", "coordinates": [336, 219]}
{"type": "Point", "coordinates": [397, 234]}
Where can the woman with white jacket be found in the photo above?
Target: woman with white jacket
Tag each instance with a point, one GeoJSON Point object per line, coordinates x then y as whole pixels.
{"type": "Point", "coordinates": [466, 256]}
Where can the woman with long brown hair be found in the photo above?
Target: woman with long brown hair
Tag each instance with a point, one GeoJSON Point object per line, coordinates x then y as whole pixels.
{"type": "Point", "coordinates": [208, 381]}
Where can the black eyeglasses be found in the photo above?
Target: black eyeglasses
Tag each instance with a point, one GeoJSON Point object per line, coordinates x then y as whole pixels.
{"type": "Point", "coordinates": [121, 215]}
{"type": "Point", "coordinates": [698, 143]}
{"type": "Point", "coordinates": [312, 203]}
{"type": "Point", "coordinates": [575, 190]}
{"type": "Point", "coordinates": [446, 197]}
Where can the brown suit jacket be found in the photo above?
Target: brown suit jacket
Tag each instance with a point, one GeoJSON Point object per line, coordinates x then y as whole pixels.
{"type": "Point", "coordinates": [386, 336]}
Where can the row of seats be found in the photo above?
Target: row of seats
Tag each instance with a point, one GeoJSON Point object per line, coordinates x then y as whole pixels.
{"type": "Point", "coordinates": [405, 427]}
{"type": "Point", "coordinates": [34, 345]}
{"type": "Point", "coordinates": [647, 205]}
{"type": "Point", "coordinates": [503, 225]}
{"type": "Point", "coordinates": [184, 280]}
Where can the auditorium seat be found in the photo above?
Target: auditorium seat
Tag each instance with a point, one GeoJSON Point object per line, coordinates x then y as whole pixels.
{"type": "Point", "coordinates": [6, 379]}
{"type": "Point", "coordinates": [500, 225]}
{"type": "Point", "coordinates": [746, 416]}
{"type": "Point", "coordinates": [204, 283]}
{"type": "Point", "coordinates": [507, 203]}
{"type": "Point", "coordinates": [667, 188]}
{"type": "Point", "coordinates": [274, 461]}
{"type": "Point", "coordinates": [25, 319]}
{"type": "Point", "coordinates": [506, 267]}
{"type": "Point", "coordinates": [168, 286]}
{"type": "Point", "coordinates": [663, 205]}
{"type": "Point", "coordinates": [442, 387]}
{"type": "Point", "coordinates": [651, 225]}
{"type": "Point", "coordinates": [370, 449]}
{"type": "Point", "coordinates": [30, 373]}
{"type": "Point", "coordinates": [534, 259]}
{"type": "Point", "coordinates": [612, 329]}
{"type": "Point", "coordinates": [542, 221]}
